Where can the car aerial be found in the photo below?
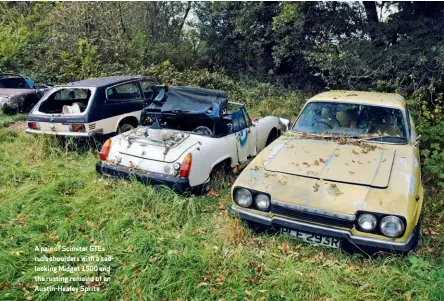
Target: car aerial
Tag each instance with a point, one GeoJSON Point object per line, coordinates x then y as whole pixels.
{"type": "Point", "coordinates": [99, 107]}
{"type": "Point", "coordinates": [347, 174]}
{"type": "Point", "coordinates": [189, 133]}
{"type": "Point", "coordinates": [19, 94]}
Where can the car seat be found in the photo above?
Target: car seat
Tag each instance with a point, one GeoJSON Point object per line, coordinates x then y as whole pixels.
{"type": "Point", "coordinates": [328, 118]}
{"type": "Point", "coordinates": [346, 119]}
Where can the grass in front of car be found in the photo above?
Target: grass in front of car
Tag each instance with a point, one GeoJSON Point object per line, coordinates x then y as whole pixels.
{"type": "Point", "coordinates": [6, 120]}
{"type": "Point", "coordinates": [166, 246]}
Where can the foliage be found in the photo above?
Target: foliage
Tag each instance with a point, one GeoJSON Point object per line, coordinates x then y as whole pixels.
{"type": "Point", "coordinates": [268, 46]}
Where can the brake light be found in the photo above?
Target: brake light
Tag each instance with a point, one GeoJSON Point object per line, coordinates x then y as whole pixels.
{"type": "Point", "coordinates": [75, 127]}
{"type": "Point", "coordinates": [33, 125]}
{"type": "Point", "coordinates": [186, 166]}
{"type": "Point", "coordinates": [104, 152]}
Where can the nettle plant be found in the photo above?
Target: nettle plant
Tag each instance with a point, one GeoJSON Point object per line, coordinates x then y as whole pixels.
{"type": "Point", "coordinates": [431, 127]}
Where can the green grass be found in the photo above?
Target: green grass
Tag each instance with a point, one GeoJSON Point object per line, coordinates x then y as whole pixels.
{"type": "Point", "coordinates": [167, 247]}
{"type": "Point", "coordinates": [7, 120]}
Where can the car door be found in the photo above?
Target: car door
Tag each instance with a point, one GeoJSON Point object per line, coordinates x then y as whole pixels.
{"type": "Point", "coordinates": [245, 134]}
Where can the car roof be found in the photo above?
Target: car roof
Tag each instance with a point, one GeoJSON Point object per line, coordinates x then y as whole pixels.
{"type": "Point", "coordinates": [104, 81]}
{"type": "Point", "coordinates": [362, 97]}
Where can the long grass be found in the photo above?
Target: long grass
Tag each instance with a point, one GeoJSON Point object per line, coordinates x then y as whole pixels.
{"type": "Point", "coordinates": [168, 247]}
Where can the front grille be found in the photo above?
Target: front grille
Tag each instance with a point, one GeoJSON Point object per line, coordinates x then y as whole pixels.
{"type": "Point", "coordinates": [311, 217]}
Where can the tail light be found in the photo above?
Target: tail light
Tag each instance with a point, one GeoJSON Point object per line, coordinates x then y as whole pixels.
{"type": "Point", "coordinates": [186, 166]}
{"type": "Point", "coordinates": [104, 152]}
{"type": "Point", "coordinates": [33, 125]}
{"type": "Point", "coordinates": [75, 127]}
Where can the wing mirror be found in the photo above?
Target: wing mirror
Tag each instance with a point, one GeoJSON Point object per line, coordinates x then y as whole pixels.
{"type": "Point", "coordinates": [284, 122]}
{"type": "Point", "coordinates": [418, 138]}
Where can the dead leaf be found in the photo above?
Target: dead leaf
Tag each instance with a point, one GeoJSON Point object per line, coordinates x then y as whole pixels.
{"type": "Point", "coordinates": [284, 248]}
{"type": "Point", "coordinates": [249, 293]}
{"type": "Point", "coordinates": [213, 193]}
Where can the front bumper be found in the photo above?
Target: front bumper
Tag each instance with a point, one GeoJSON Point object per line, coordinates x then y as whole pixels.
{"type": "Point", "coordinates": [66, 134]}
{"type": "Point", "coordinates": [359, 242]}
{"type": "Point", "coordinates": [175, 183]}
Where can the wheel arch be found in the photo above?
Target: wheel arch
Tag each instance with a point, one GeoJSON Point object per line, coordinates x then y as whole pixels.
{"type": "Point", "coordinates": [128, 120]}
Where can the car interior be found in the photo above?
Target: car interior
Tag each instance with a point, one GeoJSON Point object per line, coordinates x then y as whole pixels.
{"type": "Point", "coordinates": [66, 101]}
{"type": "Point", "coordinates": [201, 124]}
{"type": "Point", "coordinates": [348, 118]}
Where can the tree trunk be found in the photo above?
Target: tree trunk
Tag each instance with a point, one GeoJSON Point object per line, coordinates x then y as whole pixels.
{"type": "Point", "coordinates": [372, 18]}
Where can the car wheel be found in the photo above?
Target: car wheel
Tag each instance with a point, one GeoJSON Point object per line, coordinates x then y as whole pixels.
{"type": "Point", "coordinates": [274, 134]}
{"type": "Point", "coordinates": [219, 177]}
{"type": "Point", "coordinates": [124, 128]}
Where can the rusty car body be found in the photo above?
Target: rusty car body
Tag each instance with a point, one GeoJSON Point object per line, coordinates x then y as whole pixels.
{"type": "Point", "coordinates": [19, 94]}
{"type": "Point", "coordinates": [346, 175]}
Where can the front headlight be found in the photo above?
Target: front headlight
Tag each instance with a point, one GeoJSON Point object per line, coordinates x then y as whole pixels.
{"type": "Point", "coordinates": [243, 197]}
{"type": "Point", "coordinates": [262, 202]}
{"type": "Point", "coordinates": [367, 222]}
{"type": "Point", "coordinates": [392, 226]}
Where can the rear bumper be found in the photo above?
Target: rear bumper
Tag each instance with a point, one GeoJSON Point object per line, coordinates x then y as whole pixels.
{"type": "Point", "coordinates": [66, 134]}
{"type": "Point", "coordinates": [175, 183]}
{"type": "Point", "coordinates": [363, 243]}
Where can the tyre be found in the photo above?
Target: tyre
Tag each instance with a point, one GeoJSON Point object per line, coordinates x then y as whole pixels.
{"type": "Point", "coordinates": [124, 128]}
{"type": "Point", "coordinates": [219, 177]}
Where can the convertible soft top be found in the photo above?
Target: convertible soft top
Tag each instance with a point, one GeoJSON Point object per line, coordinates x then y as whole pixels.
{"type": "Point", "coordinates": [195, 100]}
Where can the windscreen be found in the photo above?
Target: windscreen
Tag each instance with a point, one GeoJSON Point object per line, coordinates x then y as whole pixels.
{"type": "Point", "coordinates": [353, 120]}
{"type": "Point", "coordinates": [14, 82]}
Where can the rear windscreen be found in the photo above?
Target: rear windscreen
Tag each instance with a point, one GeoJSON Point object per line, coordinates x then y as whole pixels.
{"type": "Point", "coordinates": [66, 100]}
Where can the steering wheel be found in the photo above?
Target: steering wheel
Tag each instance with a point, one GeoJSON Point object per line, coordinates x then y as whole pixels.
{"type": "Point", "coordinates": [324, 123]}
{"type": "Point", "coordinates": [204, 130]}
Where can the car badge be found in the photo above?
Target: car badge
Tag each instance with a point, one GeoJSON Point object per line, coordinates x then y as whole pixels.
{"type": "Point", "coordinates": [143, 153]}
{"type": "Point", "coordinates": [52, 126]}
{"type": "Point", "coordinates": [51, 120]}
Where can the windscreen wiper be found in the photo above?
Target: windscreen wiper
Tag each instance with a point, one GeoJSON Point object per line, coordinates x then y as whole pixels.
{"type": "Point", "coordinates": [382, 136]}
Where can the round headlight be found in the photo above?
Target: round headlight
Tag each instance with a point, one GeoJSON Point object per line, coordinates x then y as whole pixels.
{"type": "Point", "coordinates": [367, 222]}
{"type": "Point", "coordinates": [392, 226]}
{"type": "Point", "coordinates": [262, 202]}
{"type": "Point", "coordinates": [243, 197]}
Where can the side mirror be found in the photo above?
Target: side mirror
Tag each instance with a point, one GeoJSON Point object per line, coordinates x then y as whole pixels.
{"type": "Point", "coordinates": [418, 138]}
{"type": "Point", "coordinates": [284, 122]}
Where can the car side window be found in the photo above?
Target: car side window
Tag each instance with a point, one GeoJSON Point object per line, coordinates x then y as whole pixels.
{"type": "Point", "coordinates": [238, 121]}
{"type": "Point", "coordinates": [147, 88]}
{"type": "Point", "coordinates": [127, 91]}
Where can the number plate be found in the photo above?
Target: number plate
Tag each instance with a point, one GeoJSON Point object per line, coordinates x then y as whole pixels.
{"type": "Point", "coordinates": [313, 238]}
